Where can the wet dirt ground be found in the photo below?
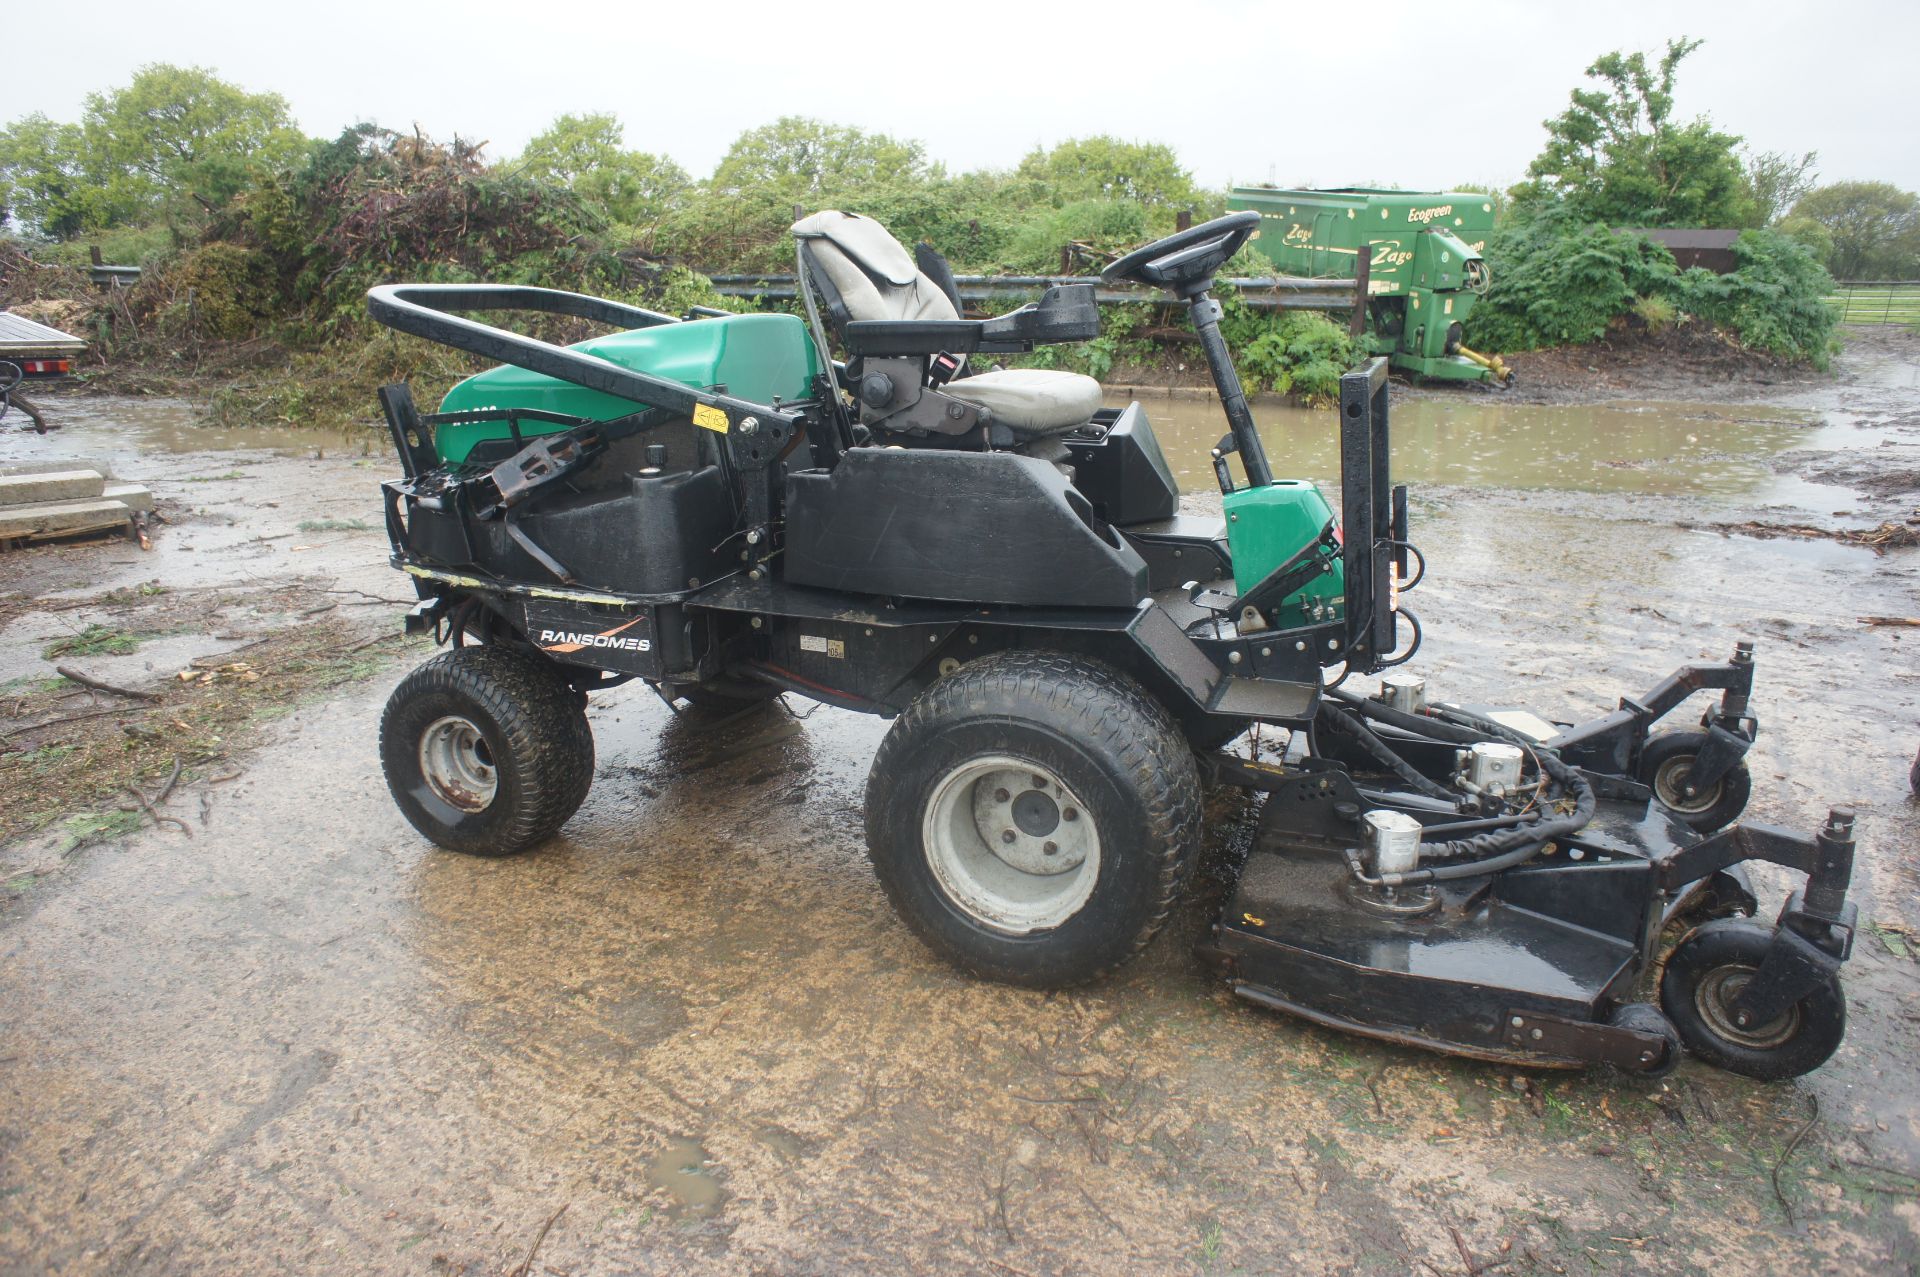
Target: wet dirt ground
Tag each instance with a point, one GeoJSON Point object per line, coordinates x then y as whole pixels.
{"type": "Point", "coordinates": [687, 1036]}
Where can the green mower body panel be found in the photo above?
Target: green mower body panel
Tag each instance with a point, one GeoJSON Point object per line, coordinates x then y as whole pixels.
{"type": "Point", "coordinates": [1266, 527]}
{"type": "Point", "coordinates": [1419, 245]}
{"type": "Point", "coordinates": [762, 358]}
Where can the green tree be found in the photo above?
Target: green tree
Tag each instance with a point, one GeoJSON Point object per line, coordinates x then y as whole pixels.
{"type": "Point", "coordinates": [1775, 182]}
{"type": "Point", "coordinates": [588, 153]}
{"type": "Point", "coordinates": [1874, 226]}
{"type": "Point", "coordinates": [49, 180]}
{"type": "Point", "coordinates": [1106, 168]}
{"type": "Point", "coordinates": [801, 161]}
{"type": "Point", "coordinates": [176, 141]}
{"type": "Point", "coordinates": [1616, 155]}
{"type": "Point", "coordinates": [183, 134]}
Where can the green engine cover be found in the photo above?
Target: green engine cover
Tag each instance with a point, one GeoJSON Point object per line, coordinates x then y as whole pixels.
{"type": "Point", "coordinates": [755, 357]}
{"type": "Point", "coordinates": [1266, 527]}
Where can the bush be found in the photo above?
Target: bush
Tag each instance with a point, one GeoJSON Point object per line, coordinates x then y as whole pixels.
{"type": "Point", "coordinates": [1774, 298]}
{"type": "Point", "coordinates": [221, 291]}
{"type": "Point", "coordinates": [1556, 283]}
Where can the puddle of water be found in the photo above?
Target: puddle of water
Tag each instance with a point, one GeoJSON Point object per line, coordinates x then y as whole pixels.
{"type": "Point", "coordinates": [1614, 447]}
{"type": "Point", "coordinates": [119, 427]}
{"type": "Point", "coordinates": [680, 1169]}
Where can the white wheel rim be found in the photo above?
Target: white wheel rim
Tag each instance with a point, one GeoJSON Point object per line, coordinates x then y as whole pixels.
{"type": "Point", "coordinates": [457, 764]}
{"type": "Point", "coordinates": [1010, 845]}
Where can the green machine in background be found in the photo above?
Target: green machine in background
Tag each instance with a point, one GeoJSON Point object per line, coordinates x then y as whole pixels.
{"type": "Point", "coordinates": [1424, 272]}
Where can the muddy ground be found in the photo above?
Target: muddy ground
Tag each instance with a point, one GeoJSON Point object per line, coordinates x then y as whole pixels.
{"type": "Point", "coordinates": [688, 1036]}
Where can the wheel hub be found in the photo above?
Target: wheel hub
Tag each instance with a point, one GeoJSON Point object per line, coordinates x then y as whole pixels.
{"type": "Point", "coordinates": [1010, 844]}
{"type": "Point", "coordinates": [1673, 786]}
{"type": "Point", "coordinates": [1715, 997]}
{"type": "Point", "coordinates": [457, 764]}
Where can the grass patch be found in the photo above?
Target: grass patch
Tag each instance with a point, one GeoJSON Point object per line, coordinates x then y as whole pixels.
{"type": "Point", "coordinates": [70, 778]}
{"type": "Point", "coordinates": [84, 828]}
{"type": "Point", "coordinates": [333, 525]}
{"type": "Point", "coordinates": [95, 640]}
{"type": "Point", "coordinates": [213, 478]}
{"type": "Point", "coordinates": [32, 685]}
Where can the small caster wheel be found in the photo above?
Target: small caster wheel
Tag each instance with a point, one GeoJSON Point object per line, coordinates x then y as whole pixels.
{"type": "Point", "coordinates": [1644, 1017]}
{"type": "Point", "coordinates": [1665, 766]}
{"type": "Point", "coordinates": [1705, 974]}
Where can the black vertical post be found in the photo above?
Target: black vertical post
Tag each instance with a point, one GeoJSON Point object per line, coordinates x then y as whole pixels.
{"type": "Point", "coordinates": [1362, 271]}
{"type": "Point", "coordinates": [1366, 513]}
{"type": "Point", "coordinates": [1381, 479]}
{"type": "Point", "coordinates": [1183, 220]}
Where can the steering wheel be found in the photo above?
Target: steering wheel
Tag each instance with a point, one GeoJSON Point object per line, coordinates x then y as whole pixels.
{"type": "Point", "coordinates": [1184, 261]}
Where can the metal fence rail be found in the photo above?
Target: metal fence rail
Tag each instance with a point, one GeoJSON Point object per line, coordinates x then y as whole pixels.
{"type": "Point", "coordinates": [1876, 301]}
{"type": "Point", "coordinates": [1281, 293]}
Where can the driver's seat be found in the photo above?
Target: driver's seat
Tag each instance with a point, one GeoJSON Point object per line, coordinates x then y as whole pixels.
{"type": "Point", "coordinates": [863, 273]}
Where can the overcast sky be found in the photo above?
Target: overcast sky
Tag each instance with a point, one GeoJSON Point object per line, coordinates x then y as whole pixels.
{"type": "Point", "coordinates": [1419, 95]}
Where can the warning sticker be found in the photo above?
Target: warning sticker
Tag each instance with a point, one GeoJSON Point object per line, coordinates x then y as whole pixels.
{"type": "Point", "coordinates": [812, 643]}
{"type": "Point", "coordinates": [709, 417]}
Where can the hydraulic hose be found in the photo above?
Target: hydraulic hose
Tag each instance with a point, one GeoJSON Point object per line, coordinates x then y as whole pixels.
{"type": "Point", "coordinates": [1483, 853]}
{"type": "Point", "coordinates": [1383, 754]}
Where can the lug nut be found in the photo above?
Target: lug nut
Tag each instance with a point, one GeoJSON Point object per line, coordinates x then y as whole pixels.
{"type": "Point", "coordinates": [1051, 849]}
{"type": "Point", "coordinates": [1071, 813]}
{"type": "Point", "coordinates": [1039, 782]}
{"type": "Point", "coordinates": [1001, 795]}
{"type": "Point", "coordinates": [1007, 835]}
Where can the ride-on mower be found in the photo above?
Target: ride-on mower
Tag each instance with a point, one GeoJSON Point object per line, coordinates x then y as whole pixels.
{"type": "Point", "coordinates": [1001, 566]}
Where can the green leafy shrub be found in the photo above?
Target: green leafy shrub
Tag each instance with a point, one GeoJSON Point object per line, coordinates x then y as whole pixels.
{"type": "Point", "coordinates": [1774, 298]}
{"type": "Point", "coordinates": [1554, 283]}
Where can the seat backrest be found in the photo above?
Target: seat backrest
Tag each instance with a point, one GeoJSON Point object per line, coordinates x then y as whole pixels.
{"type": "Point", "coordinates": [865, 273]}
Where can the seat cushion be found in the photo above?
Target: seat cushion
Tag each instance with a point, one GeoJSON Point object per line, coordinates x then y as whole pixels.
{"type": "Point", "coordinates": [1031, 401]}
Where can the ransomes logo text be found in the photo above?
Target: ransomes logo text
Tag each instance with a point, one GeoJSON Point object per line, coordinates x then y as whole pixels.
{"type": "Point", "coordinates": [573, 641]}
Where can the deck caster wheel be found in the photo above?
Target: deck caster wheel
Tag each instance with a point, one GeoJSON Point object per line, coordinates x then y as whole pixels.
{"type": "Point", "coordinates": [1644, 1017]}
{"type": "Point", "coordinates": [486, 749]}
{"type": "Point", "coordinates": [1705, 974]}
{"type": "Point", "coordinates": [1666, 763]}
{"type": "Point", "coordinates": [1033, 816]}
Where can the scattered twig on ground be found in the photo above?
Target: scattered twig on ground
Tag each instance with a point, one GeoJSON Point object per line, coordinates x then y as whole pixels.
{"type": "Point", "coordinates": [158, 819]}
{"type": "Point", "coordinates": [525, 1266]}
{"type": "Point", "coordinates": [70, 718]}
{"type": "Point", "coordinates": [1813, 1116]}
{"type": "Point", "coordinates": [221, 780]}
{"type": "Point", "coordinates": [378, 638]}
{"type": "Point", "coordinates": [86, 680]}
{"type": "Point", "coordinates": [166, 790]}
{"type": "Point", "coordinates": [377, 598]}
{"type": "Point", "coordinates": [220, 658]}
{"type": "Point", "coordinates": [315, 611]}
{"type": "Point", "coordinates": [1905, 622]}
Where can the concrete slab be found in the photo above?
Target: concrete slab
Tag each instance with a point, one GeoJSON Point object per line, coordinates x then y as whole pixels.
{"type": "Point", "coordinates": [62, 518]}
{"type": "Point", "coordinates": [50, 485]}
{"type": "Point", "coordinates": [58, 463]}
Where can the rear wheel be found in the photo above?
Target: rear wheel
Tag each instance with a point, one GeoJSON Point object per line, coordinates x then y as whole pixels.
{"type": "Point", "coordinates": [1704, 978]}
{"type": "Point", "coordinates": [486, 750]}
{"type": "Point", "coordinates": [1033, 816]}
{"type": "Point", "coordinates": [1666, 766]}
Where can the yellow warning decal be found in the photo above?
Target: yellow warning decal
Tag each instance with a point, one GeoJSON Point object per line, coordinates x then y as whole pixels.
{"type": "Point", "coordinates": [710, 417]}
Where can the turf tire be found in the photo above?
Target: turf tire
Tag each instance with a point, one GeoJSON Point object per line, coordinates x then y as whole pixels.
{"type": "Point", "coordinates": [1107, 742]}
{"type": "Point", "coordinates": [536, 739]}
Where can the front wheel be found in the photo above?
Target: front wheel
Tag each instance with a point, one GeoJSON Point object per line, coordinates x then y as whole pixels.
{"type": "Point", "coordinates": [486, 749]}
{"type": "Point", "coordinates": [1032, 817]}
{"type": "Point", "coordinates": [1666, 767]}
{"type": "Point", "coordinates": [1704, 978]}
